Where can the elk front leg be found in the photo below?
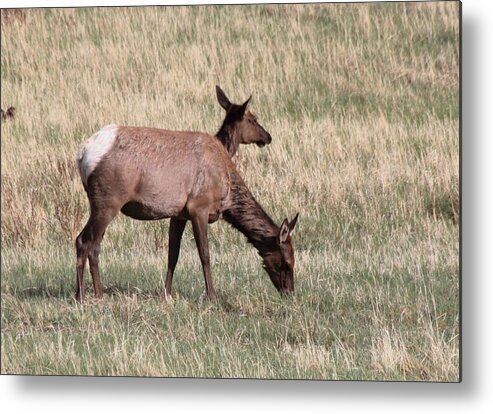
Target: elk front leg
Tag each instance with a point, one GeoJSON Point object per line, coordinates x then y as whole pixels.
{"type": "Point", "coordinates": [176, 228]}
{"type": "Point", "coordinates": [199, 224]}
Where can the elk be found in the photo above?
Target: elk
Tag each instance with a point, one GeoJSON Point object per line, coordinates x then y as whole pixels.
{"type": "Point", "coordinates": [8, 114]}
{"type": "Point", "coordinates": [151, 174]}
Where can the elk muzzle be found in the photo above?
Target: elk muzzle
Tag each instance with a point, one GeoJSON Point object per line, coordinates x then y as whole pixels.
{"type": "Point", "coordinates": [263, 141]}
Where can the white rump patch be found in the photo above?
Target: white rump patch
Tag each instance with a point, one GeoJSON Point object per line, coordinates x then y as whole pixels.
{"type": "Point", "coordinates": [94, 150]}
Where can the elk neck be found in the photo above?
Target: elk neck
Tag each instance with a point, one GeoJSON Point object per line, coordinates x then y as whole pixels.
{"type": "Point", "coordinates": [229, 138]}
{"type": "Point", "coordinates": [247, 216]}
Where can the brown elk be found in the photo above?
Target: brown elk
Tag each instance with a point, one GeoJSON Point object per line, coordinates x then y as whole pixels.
{"type": "Point", "coordinates": [8, 114]}
{"type": "Point", "coordinates": [152, 174]}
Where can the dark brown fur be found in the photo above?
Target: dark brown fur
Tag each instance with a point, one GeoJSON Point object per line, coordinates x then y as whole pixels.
{"type": "Point", "coordinates": [272, 243]}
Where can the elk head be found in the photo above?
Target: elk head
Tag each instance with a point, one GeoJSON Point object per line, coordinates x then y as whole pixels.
{"type": "Point", "coordinates": [279, 262]}
{"type": "Point", "coordinates": [240, 123]}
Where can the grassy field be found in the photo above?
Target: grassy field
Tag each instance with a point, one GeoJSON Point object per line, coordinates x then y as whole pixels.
{"type": "Point", "coordinates": [362, 102]}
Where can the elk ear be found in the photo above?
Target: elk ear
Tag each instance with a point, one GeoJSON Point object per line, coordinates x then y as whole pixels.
{"type": "Point", "coordinates": [223, 99]}
{"type": "Point", "coordinates": [243, 108]}
{"type": "Point", "coordinates": [284, 231]}
{"type": "Point", "coordinates": [293, 223]}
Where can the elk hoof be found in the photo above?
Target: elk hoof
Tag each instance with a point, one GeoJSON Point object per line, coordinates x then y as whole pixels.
{"type": "Point", "coordinates": [167, 296]}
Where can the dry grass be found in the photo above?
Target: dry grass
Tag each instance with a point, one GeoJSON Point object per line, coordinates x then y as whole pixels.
{"type": "Point", "coordinates": [362, 104]}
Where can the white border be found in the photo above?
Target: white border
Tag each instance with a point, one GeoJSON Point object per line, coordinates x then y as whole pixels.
{"type": "Point", "coordinates": [474, 394]}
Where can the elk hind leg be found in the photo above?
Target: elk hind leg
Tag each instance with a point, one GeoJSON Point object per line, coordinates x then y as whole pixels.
{"type": "Point", "coordinates": [88, 246]}
{"type": "Point", "coordinates": [82, 249]}
{"type": "Point", "coordinates": [101, 222]}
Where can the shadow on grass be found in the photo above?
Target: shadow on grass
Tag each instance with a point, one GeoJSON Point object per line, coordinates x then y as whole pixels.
{"type": "Point", "coordinates": [115, 291]}
{"type": "Point", "coordinates": [44, 291]}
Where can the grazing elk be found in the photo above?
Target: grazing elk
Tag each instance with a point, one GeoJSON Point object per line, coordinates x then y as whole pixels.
{"type": "Point", "coordinates": [8, 114]}
{"type": "Point", "coordinates": [152, 174]}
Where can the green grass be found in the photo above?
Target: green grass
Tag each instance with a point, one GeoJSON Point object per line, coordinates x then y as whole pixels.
{"type": "Point", "coordinates": [362, 101]}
